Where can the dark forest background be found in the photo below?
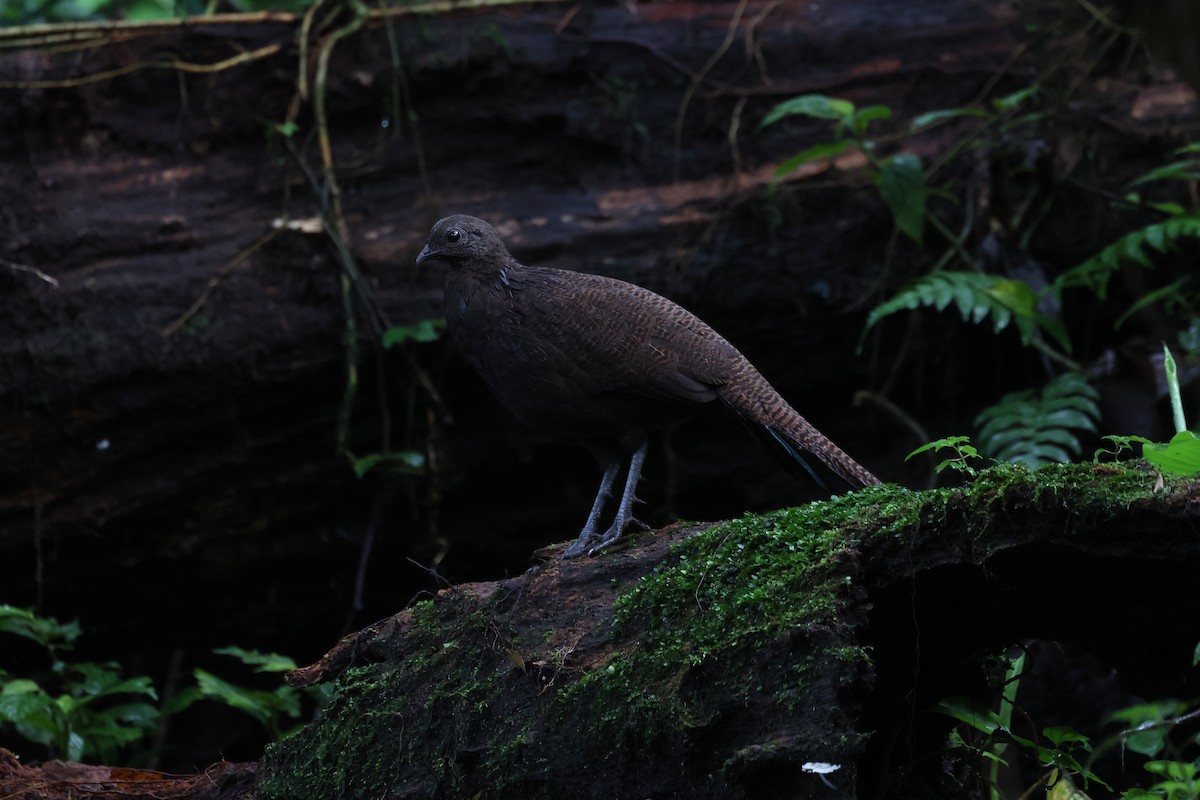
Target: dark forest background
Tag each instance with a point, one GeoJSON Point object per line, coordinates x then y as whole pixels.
{"type": "Point", "coordinates": [226, 418]}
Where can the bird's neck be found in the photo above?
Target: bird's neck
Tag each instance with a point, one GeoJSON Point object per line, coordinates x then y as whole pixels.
{"type": "Point", "coordinates": [495, 276]}
{"type": "Point", "coordinates": [481, 286]}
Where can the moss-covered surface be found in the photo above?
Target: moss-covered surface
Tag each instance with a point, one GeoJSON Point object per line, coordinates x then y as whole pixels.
{"type": "Point", "coordinates": [698, 663]}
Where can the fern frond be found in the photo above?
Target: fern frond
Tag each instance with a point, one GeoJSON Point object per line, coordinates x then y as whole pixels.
{"type": "Point", "coordinates": [977, 296]}
{"type": "Point", "coordinates": [1133, 246]}
{"type": "Point", "coordinates": [970, 292]}
{"type": "Point", "coordinates": [1037, 427]}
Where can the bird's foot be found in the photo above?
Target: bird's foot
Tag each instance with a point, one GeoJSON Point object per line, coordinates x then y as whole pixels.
{"type": "Point", "coordinates": [612, 534]}
{"type": "Point", "coordinates": [577, 548]}
{"type": "Point", "coordinates": [592, 542]}
{"type": "Point", "coordinates": [580, 545]}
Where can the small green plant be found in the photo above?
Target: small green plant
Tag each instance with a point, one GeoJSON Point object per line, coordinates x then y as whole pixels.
{"type": "Point", "coordinates": [86, 710]}
{"type": "Point", "coordinates": [1030, 427]}
{"type": "Point", "coordinates": [1141, 245]}
{"type": "Point", "coordinates": [900, 177]}
{"type": "Point", "coordinates": [1065, 406]}
{"type": "Point", "coordinates": [1181, 455]}
{"type": "Point", "coordinates": [977, 296]}
{"type": "Point", "coordinates": [271, 708]}
{"type": "Point", "coordinates": [427, 330]}
{"type": "Point", "coordinates": [1060, 750]}
{"type": "Point", "coordinates": [1066, 756]}
{"type": "Point", "coordinates": [1117, 446]}
{"type": "Point", "coordinates": [963, 450]}
{"type": "Point", "coordinates": [1036, 427]}
{"type": "Point", "coordinates": [75, 709]}
{"type": "Point", "coordinates": [403, 462]}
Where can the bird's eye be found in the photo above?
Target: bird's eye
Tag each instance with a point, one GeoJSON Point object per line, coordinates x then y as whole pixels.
{"type": "Point", "coordinates": [453, 235]}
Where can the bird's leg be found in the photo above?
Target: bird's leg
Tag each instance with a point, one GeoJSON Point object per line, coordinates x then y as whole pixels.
{"type": "Point", "coordinates": [625, 509]}
{"type": "Point", "coordinates": [589, 528]}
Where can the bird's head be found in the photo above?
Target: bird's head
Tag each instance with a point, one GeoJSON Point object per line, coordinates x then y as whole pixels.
{"type": "Point", "coordinates": [458, 239]}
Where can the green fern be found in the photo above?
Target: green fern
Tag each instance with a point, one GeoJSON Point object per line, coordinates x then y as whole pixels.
{"type": "Point", "coordinates": [978, 296]}
{"type": "Point", "coordinates": [1134, 246]}
{"type": "Point", "coordinates": [1037, 427]}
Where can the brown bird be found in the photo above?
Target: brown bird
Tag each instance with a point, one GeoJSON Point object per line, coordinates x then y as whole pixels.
{"type": "Point", "coordinates": [599, 361]}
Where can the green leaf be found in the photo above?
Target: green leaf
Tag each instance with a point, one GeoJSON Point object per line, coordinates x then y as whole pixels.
{"type": "Point", "coordinates": [809, 105]}
{"type": "Point", "coordinates": [1172, 377]}
{"type": "Point", "coordinates": [860, 119]}
{"type": "Point", "coordinates": [89, 7]}
{"type": "Point", "coordinates": [257, 704]}
{"type": "Point", "coordinates": [1018, 296]}
{"type": "Point", "coordinates": [934, 117]}
{"type": "Point", "coordinates": [1038, 427]}
{"type": "Point", "coordinates": [1062, 734]}
{"type": "Point", "coordinates": [1140, 794]}
{"type": "Point", "coordinates": [962, 448]}
{"type": "Point", "coordinates": [1050, 325]}
{"type": "Point", "coordinates": [816, 151]}
{"type": "Point", "coordinates": [1180, 771]}
{"type": "Point", "coordinates": [140, 715]}
{"type": "Point", "coordinates": [1170, 209]}
{"type": "Point", "coordinates": [262, 662]}
{"type": "Point", "coordinates": [139, 685]}
{"type": "Point", "coordinates": [22, 701]}
{"type": "Point", "coordinates": [959, 443]}
{"type": "Point", "coordinates": [1180, 456]}
{"type": "Point", "coordinates": [1095, 272]}
{"type": "Point", "coordinates": [1187, 170]}
{"type": "Point", "coordinates": [972, 712]}
{"type": "Point", "coordinates": [93, 679]}
{"type": "Point", "coordinates": [902, 184]}
{"type": "Point", "coordinates": [1170, 292]}
{"type": "Point", "coordinates": [149, 9]}
{"type": "Point", "coordinates": [182, 700]}
{"type": "Point", "coordinates": [427, 330]}
{"type": "Point", "coordinates": [1012, 102]}
{"type": "Point", "coordinates": [976, 295]}
{"type": "Point", "coordinates": [408, 462]}
{"type": "Point", "coordinates": [46, 631]}
{"type": "Point", "coordinates": [1149, 724]}
{"type": "Point", "coordinates": [75, 745]}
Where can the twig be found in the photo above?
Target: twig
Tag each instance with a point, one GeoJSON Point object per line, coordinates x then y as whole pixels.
{"type": "Point", "coordinates": [697, 79]}
{"type": "Point", "coordinates": [735, 123]}
{"type": "Point", "coordinates": [755, 53]}
{"type": "Point", "coordinates": [20, 37]}
{"type": "Point", "coordinates": [15, 267]}
{"type": "Point", "coordinates": [305, 28]}
{"type": "Point", "coordinates": [179, 66]}
{"type": "Point", "coordinates": [331, 185]}
{"type": "Point", "coordinates": [217, 278]}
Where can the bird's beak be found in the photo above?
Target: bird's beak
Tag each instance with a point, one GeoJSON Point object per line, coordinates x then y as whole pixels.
{"type": "Point", "coordinates": [425, 254]}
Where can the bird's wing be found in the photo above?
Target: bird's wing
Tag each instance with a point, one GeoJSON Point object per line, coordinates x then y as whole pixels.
{"type": "Point", "coordinates": [627, 339]}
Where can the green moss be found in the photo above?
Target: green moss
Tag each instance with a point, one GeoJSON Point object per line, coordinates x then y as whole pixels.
{"type": "Point", "coordinates": [388, 721]}
{"type": "Point", "coordinates": [730, 591]}
{"type": "Point", "coordinates": [711, 609]}
{"type": "Point", "coordinates": [754, 618]}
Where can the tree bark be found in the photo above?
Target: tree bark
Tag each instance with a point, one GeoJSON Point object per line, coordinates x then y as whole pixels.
{"type": "Point", "coordinates": [732, 661]}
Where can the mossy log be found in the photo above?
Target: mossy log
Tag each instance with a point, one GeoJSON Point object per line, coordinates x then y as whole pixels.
{"type": "Point", "coordinates": [748, 659]}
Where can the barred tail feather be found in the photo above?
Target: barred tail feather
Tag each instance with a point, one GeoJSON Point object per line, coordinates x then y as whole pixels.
{"type": "Point", "coordinates": [758, 404]}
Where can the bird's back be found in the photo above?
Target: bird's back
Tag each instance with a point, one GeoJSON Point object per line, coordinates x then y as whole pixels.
{"type": "Point", "coordinates": [584, 355]}
{"type": "Point", "coordinates": [600, 361]}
